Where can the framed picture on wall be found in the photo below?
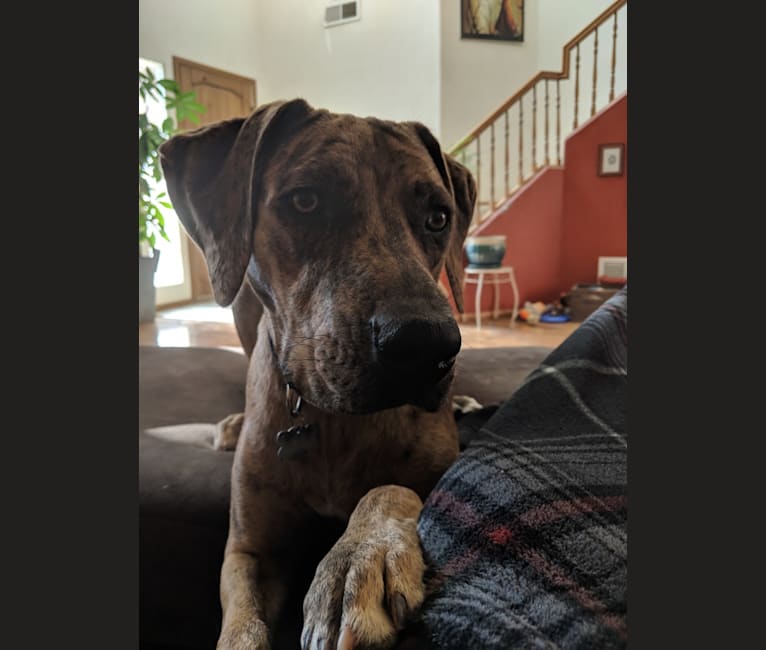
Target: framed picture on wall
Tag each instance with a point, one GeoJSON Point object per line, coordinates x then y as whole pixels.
{"type": "Point", "coordinates": [611, 159]}
{"type": "Point", "coordinates": [498, 20]}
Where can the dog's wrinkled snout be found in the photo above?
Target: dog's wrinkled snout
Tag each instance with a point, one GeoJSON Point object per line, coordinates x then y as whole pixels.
{"type": "Point", "coordinates": [421, 346]}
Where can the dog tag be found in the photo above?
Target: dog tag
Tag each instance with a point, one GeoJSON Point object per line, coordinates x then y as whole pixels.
{"type": "Point", "coordinates": [294, 441]}
{"type": "Point", "coordinates": [283, 437]}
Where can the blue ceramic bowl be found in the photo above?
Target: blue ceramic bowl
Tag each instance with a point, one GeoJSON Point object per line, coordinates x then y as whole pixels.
{"type": "Point", "coordinates": [485, 252]}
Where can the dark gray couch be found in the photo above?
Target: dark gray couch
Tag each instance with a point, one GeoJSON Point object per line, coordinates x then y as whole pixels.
{"type": "Point", "coordinates": [184, 489]}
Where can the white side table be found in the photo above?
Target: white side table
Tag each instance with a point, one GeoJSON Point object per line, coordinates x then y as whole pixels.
{"type": "Point", "coordinates": [496, 277]}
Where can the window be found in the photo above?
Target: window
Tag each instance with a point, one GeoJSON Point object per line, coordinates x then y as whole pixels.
{"type": "Point", "coordinates": [172, 277]}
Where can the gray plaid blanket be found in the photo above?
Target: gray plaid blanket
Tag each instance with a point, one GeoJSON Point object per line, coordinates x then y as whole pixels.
{"type": "Point", "coordinates": [526, 534]}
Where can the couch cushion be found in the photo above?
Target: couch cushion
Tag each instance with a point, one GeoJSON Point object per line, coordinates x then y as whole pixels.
{"type": "Point", "coordinates": [183, 493]}
{"type": "Point", "coordinates": [491, 375]}
{"type": "Point", "coordinates": [178, 385]}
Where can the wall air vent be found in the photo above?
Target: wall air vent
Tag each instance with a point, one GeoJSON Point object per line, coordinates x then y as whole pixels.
{"type": "Point", "coordinates": [614, 268]}
{"type": "Point", "coordinates": [339, 13]}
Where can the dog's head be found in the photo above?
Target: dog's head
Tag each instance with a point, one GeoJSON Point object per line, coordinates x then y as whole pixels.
{"type": "Point", "coordinates": [343, 226]}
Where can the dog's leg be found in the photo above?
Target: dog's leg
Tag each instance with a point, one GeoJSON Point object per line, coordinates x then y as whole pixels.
{"type": "Point", "coordinates": [227, 432]}
{"type": "Point", "coordinates": [371, 581]}
{"type": "Point", "coordinates": [243, 625]}
{"type": "Point", "coordinates": [261, 546]}
{"type": "Point", "coordinates": [251, 598]}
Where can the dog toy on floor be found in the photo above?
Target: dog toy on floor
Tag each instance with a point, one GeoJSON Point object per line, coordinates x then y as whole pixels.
{"type": "Point", "coordinates": [531, 312]}
{"type": "Point", "coordinates": [538, 312]}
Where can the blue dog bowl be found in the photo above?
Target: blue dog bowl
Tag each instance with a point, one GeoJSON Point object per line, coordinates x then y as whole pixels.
{"type": "Point", "coordinates": [485, 252]}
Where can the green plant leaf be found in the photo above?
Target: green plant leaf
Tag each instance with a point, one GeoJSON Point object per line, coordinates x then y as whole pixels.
{"type": "Point", "coordinates": [155, 137]}
{"type": "Point", "coordinates": [169, 84]}
{"type": "Point", "coordinates": [150, 137]}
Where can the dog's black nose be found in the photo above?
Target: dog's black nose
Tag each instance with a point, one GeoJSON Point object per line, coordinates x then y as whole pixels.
{"type": "Point", "coordinates": [421, 345]}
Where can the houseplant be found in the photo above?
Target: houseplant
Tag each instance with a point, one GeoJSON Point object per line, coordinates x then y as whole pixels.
{"type": "Point", "coordinates": [151, 200]}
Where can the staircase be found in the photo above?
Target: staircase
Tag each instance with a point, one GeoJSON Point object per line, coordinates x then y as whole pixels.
{"type": "Point", "coordinates": [524, 135]}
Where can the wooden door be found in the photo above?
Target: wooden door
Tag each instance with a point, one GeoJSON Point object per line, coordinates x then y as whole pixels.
{"type": "Point", "coordinates": [224, 96]}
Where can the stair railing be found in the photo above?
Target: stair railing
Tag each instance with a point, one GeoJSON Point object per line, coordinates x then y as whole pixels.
{"type": "Point", "coordinates": [528, 145]}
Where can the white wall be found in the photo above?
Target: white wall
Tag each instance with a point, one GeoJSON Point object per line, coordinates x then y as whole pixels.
{"type": "Point", "coordinates": [220, 33]}
{"type": "Point", "coordinates": [386, 64]}
{"type": "Point", "coordinates": [404, 60]}
{"type": "Point", "coordinates": [478, 75]}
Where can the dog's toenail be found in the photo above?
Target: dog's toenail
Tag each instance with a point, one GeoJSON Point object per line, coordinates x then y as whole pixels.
{"type": "Point", "coordinates": [399, 613]}
{"type": "Point", "coordinates": [346, 639]}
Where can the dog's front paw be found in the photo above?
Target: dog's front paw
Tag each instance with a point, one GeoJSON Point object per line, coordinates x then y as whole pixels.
{"type": "Point", "coordinates": [227, 432]}
{"type": "Point", "coordinates": [251, 635]}
{"type": "Point", "coordinates": [368, 585]}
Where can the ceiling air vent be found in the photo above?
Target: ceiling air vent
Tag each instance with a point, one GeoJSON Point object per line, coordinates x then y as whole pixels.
{"type": "Point", "coordinates": [339, 13]}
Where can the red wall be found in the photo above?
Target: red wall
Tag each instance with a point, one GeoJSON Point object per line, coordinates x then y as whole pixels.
{"type": "Point", "coordinates": [562, 220]}
{"type": "Point", "coordinates": [595, 208]}
{"type": "Point", "coordinates": [532, 225]}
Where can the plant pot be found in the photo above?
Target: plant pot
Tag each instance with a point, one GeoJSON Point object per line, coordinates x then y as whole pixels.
{"type": "Point", "coordinates": [485, 252]}
{"type": "Point", "coordinates": [147, 294]}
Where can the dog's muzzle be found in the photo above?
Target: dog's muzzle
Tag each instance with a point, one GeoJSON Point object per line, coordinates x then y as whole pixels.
{"type": "Point", "coordinates": [415, 357]}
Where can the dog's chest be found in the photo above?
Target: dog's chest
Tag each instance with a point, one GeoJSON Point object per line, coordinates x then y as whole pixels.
{"type": "Point", "coordinates": [348, 461]}
{"type": "Point", "coordinates": [335, 480]}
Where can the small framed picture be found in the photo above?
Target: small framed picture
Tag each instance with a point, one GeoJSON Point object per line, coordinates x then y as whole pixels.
{"type": "Point", "coordinates": [611, 159]}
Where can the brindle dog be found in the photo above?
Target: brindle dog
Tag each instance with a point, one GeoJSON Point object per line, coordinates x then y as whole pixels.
{"type": "Point", "coordinates": [331, 231]}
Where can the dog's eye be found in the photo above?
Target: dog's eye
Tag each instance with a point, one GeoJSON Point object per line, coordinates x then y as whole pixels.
{"type": "Point", "coordinates": [436, 221]}
{"type": "Point", "coordinates": [305, 200]}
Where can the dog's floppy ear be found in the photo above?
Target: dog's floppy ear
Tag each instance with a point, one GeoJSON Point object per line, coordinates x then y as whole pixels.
{"type": "Point", "coordinates": [213, 178]}
{"type": "Point", "coordinates": [463, 188]}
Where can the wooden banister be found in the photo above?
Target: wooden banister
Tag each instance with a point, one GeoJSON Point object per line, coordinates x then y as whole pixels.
{"type": "Point", "coordinates": [546, 74]}
{"type": "Point", "coordinates": [527, 130]}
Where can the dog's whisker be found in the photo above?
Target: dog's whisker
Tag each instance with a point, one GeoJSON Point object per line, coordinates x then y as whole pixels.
{"type": "Point", "coordinates": [312, 337]}
{"type": "Point", "coordinates": [325, 362]}
{"type": "Point", "coordinates": [303, 340]}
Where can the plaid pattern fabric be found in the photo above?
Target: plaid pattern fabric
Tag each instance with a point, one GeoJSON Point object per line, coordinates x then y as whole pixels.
{"type": "Point", "coordinates": [526, 534]}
